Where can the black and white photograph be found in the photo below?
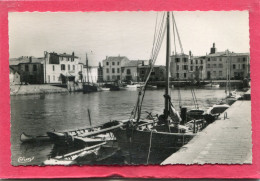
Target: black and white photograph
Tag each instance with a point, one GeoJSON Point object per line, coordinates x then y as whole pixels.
{"type": "Point", "coordinates": [130, 88]}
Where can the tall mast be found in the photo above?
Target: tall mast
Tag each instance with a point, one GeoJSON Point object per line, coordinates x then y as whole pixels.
{"type": "Point", "coordinates": [87, 67]}
{"type": "Point", "coordinates": [167, 105]}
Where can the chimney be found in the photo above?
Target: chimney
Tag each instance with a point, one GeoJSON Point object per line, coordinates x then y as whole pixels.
{"type": "Point", "coordinates": [142, 63]}
{"type": "Point", "coordinates": [73, 56]}
{"type": "Point", "coordinates": [213, 49]}
{"type": "Point", "coordinates": [30, 59]}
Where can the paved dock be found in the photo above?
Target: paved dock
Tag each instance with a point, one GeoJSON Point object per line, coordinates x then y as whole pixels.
{"type": "Point", "coordinates": [226, 141]}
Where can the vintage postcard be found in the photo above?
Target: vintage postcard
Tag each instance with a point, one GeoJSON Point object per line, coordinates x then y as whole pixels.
{"type": "Point", "coordinates": [130, 88]}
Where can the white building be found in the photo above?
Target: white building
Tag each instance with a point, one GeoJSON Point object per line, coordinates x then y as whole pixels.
{"type": "Point", "coordinates": [60, 68]}
{"type": "Point", "coordinates": [112, 67]}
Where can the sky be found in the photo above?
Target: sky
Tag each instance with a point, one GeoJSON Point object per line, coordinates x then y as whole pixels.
{"type": "Point", "coordinates": [130, 34]}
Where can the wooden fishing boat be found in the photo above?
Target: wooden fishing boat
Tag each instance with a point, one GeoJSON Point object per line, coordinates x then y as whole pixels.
{"type": "Point", "coordinates": [88, 152]}
{"type": "Point", "coordinates": [29, 138]}
{"type": "Point", "coordinates": [165, 131]}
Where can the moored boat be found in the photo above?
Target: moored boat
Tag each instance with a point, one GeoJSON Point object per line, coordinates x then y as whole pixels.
{"type": "Point", "coordinates": [29, 138]}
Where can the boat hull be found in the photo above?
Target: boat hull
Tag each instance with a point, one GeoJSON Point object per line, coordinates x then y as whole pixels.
{"type": "Point", "coordinates": [159, 140]}
{"type": "Point", "coordinates": [89, 88]}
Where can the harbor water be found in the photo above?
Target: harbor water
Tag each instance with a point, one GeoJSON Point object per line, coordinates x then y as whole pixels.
{"type": "Point", "coordinates": [37, 114]}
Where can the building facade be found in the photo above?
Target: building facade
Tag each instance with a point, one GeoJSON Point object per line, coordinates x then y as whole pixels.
{"type": "Point", "coordinates": [112, 68]}
{"type": "Point", "coordinates": [60, 68]}
{"type": "Point", "coordinates": [30, 69]}
{"type": "Point", "coordinates": [130, 71]}
{"type": "Point", "coordinates": [14, 77]}
{"type": "Point", "coordinates": [213, 66]}
{"type": "Point", "coordinates": [158, 73]}
{"type": "Point", "coordinates": [179, 66]}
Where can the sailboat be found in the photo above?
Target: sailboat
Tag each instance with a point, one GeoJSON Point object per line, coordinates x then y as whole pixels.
{"type": "Point", "coordinates": [231, 96]}
{"type": "Point", "coordinates": [87, 86]}
{"type": "Point", "coordinates": [162, 132]}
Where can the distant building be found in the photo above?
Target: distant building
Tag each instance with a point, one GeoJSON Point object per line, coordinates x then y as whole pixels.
{"type": "Point", "coordinates": [112, 67]}
{"type": "Point", "coordinates": [215, 65]}
{"type": "Point", "coordinates": [158, 73]}
{"type": "Point", "coordinates": [220, 65]}
{"type": "Point", "coordinates": [130, 70]}
{"type": "Point", "coordinates": [30, 69]}
{"type": "Point", "coordinates": [60, 68]}
{"type": "Point", "coordinates": [14, 77]}
{"type": "Point", "coordinates": [197, 68]}
{"type": "Point", "coordinates": [179, 66]}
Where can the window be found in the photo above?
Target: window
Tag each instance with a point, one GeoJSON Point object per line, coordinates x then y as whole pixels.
{"type": "Point", "coordinates": [107, 70]}
{"type": "Point", "coordinates": [244, 59]}
{"type": "Point", "coordinates": [27, 68]}
{"type": "Point", "coordinates": [201, 67]}
{"type": "Point", "coordinates": [220, 73]}
{"type": "Point", "coordinates": [177, 59]}
{"type": "Point", "coordinates": [214, 65]}
{"type": "Point", "coordinates": [107, 63]}
{"type": "Point", "coordinates": [208, 59]}
{"type": "Point", "coordinates": [63, 67]}
{"type": "Point", "coordinates": [113, 70]}
{"type": "Point", "coordinates": [108, 77]}
{"type": "Point", "coordinates": [118, 63]}
{"type": "Point", "coordinates": [34, 67]}
{"type": "Point", "coordinates": [178, 68]}
{"type": "Point", "coordinates": [214, 73]}
{"type": "Point", "coordinates": [201, 61]}
{"type": "Point", "coordinates": [128, 71]}
{"type": "Point", "coordinates": [191, 61]}
{"type": "Point", "coordinates": [118, 77]}
{"type": "Point", "coordinates": [220, 59]}
{"type": "Point", "coordinates": [68, 67]}
{"type": "Point", "coordinates": [118, 70]}
{"type": "Point", "coordinates": [177, 75]}
{"type": "Point", "coordinates": [113, 63]}
{"type": "Point", "coordinates": [196, 61]}
{"type": "Point", "coordinates": [185, 67]}
{"type": "Point", "coordinates": [113, 77]}
{"type": "Point", "coordinates": [185, 75]}
{"type": "Point", "coordinates": [220, 65]}
{"type": "Point", "coordinates": [185, 59]}
{"type": "Point", "coordinates": [234, 66]}
{"type": "Point", "coordinates": [73, 67]}
{"type": "Point", "coordinates": [191, 68]}
{"type": "Point", "coordinates": [244, 66]}
{"type": "Point", "coordinates": [197, 68]}
{"type": "Point", "coordinates": [53, 68]}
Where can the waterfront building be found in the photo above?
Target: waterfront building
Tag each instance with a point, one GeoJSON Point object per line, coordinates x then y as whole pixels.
{"type": "Point", "coordinates": [130, 70]}
{"type": "Point", "coordinates": [60, 68]}
{"type": "Point", "coordinates": [197, 67]}
{"type": "Point", "coordinates": [157, 74]}
{"type": "Point", "coordinates": [30, 69]}
{"type": "Point", "coordinates": [112, 67]}
{"type": "Point", "coordinates": [179, 66]}
{"type": "Point", "coordinates": [219, 65]}
{"type": "Point", "coordinates": [14, 77]}
{"type": "Point", "coordinates": [213, 66]}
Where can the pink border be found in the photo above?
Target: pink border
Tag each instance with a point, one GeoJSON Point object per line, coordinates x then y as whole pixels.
{"type": "Point", "coordinates": [177, 171]}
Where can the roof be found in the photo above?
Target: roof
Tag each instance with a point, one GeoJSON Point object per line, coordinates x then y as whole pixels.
{"type": "Point", "coordinates": [16, 61]}
{"type": "Point", "coordinates": [218, 54]}
{"type": "Point", "coordinates": [135, 63]}
{"type": "Point", "coordinates": [117, 58]}
{"type": "Point", "coordinates": [67, 55]}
